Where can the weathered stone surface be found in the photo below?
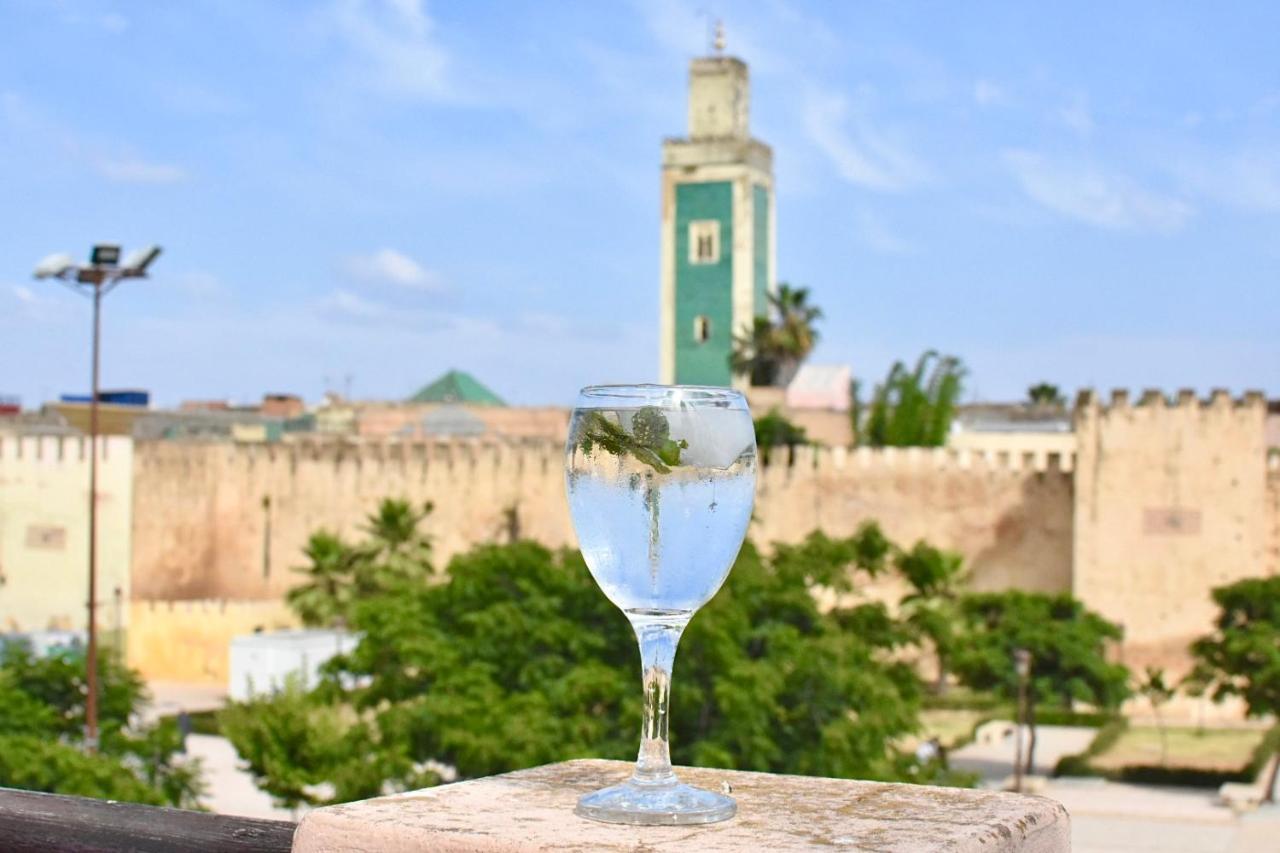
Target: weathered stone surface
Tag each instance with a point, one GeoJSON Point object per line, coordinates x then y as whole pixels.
{"type": "Point", "coordinates": [532, 810]}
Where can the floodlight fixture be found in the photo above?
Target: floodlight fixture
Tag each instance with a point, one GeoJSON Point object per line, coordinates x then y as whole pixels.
{"type": "Point", "coordinates": [105, 255]}
{"type": "Point", "coordinates": [55, 266]}
{"type": "Point", "coordinates": [136, 262]}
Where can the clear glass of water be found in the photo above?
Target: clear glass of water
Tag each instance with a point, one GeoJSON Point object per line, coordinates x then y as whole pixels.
{"type": "Point", "coordinates": [661, 481]}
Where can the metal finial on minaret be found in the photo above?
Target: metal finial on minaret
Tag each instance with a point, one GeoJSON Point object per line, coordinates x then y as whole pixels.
{"type": "Point", "coordinates": [719, 40]}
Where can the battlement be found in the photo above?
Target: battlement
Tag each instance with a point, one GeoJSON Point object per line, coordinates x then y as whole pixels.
{"type": "Point", "coordinates": [837, 460]}
{"type": "Point", "coordinates": [52, 449]}
{"type": "Point", "coordinates": [1185, 399]}
{"type": "Point", "coordinates": [543, 456]}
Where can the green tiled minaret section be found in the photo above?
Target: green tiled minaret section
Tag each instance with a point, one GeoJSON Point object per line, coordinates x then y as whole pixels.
{"type": "Point", "coordinates": [760, 246]}
{"type": "Point", "coordinates": [704, 289]}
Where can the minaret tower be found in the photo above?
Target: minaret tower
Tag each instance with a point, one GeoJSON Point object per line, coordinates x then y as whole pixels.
{"type": "Point", "coordinates": [717, 226]}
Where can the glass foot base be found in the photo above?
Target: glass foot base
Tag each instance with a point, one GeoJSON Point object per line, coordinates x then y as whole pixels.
{"type": "Point", "coordinates": [656, 805]}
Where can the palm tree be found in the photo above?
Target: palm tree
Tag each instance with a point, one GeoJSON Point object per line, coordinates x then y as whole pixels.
{"type": "Point", "coordinates": [393, 530]}
{"type": "Point", "coordinates": [324, 597]}
{"type": "Point", "coordinates": [771, 351]}
{"type": "Point", "coordinates": [795, 318]}
{"type": "Point", "coordinates": [755, 353]}
{"type": "Point", "coordinates": [396, 548]}
{"type": "Point", "coordinates": [338, 575]}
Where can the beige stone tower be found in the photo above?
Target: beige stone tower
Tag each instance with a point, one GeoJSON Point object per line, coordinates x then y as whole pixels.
{"type": "Point", "coordinates": [1171, 500]}
{"type": "Point", "coordinates": [718, 228]}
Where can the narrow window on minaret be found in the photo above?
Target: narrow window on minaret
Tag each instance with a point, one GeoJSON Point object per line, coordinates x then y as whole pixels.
{"type": "Point", "coordinates": [701, 329]}
{"type": "Point", "coordinates": [704, 241]}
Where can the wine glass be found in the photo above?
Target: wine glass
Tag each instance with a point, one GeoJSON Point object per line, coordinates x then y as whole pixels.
{"type": "Point", "coordinates": [661, 481]}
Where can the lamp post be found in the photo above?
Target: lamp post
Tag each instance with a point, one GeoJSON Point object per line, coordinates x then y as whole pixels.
{"type": "Point", "coordinates": [1022, 666]}
{"type": "Point", "coordinates": [96, 279]}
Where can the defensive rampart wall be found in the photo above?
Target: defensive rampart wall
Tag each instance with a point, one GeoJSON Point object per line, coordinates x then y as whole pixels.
{"type": "Point", "coordinates": [229, 521]}
{"type": "Point", "coordinates": [1159, 502]}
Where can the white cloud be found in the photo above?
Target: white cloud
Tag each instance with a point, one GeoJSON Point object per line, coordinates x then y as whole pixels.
{"type": "Point", "coordinates": [115, 162]}
{"type": "Point", "coordinates": [390, 266]}
{"type": "Point", "coordinates": [25, 295]}
{"type": "Point", "coordinates": [131, 170]}
{"type": "Point", "coordinates": [861, 154]}
{"type": "Point", "coordinates": [875, 234]}
{"type": "Point", "coordinates": [1076, 117]}
{"type": "Point", "coordinates": [345, 305]}
{"type": "Point", "coordinates": [1090, 196]}
{"type": "Point", "coordinates": [1249, 178]}
{"type": "Point", "coordinates": [988, 94]}
{"type": "Point", "coordinates": [395, 47]}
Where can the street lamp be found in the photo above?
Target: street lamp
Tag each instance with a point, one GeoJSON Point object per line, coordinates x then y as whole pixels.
{"type": "Point", "coordinates": [99, 277]}
{"type": "Point", "coordinates": [1022, 666]}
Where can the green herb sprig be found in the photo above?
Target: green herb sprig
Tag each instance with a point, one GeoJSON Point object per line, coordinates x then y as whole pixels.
{"type": "Point", "coordinates": [649, 441]}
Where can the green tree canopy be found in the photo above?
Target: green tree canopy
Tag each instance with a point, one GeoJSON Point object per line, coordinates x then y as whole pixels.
{"type": "Point", "coordinates": [42, 717]}
{"type": "Point", "coordinates": [914, 407]}
{"type": "Point", "coordinates": [515, 658]}
{"type": "Point", "coordinates": [932, 607]}
{"type": "Point", "coordinates": [1067, 642]}
{"type": "Point", "coordinates": [1045, 394]}
{"type": "Point", "coordinates": [1241, 656]}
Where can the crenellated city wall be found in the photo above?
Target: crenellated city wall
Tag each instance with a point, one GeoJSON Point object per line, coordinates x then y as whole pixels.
{"type": "Point", "coordinates": [1152, 503]}
{"type": "Point", "coordinates": [227, 523]}
{"type": "Point", "coordinates": [230, 521]}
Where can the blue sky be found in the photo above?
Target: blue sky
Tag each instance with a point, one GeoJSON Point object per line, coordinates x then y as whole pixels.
{"type": "Point", "coordinates": [1082, 193]}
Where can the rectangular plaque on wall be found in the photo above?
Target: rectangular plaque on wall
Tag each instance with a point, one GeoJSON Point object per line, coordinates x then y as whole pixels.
{"type": "Point", "coordinates": [46, 536]}
{"type": "Point", "coordinates": [1170, 521]}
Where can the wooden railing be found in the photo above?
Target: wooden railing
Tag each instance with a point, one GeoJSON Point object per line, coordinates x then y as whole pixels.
{"type": "Point", "coordinates": [52, 823]}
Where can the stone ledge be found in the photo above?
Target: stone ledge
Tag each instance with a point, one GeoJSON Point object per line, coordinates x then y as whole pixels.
{"type": "Point", "coordinates": [532, 810]}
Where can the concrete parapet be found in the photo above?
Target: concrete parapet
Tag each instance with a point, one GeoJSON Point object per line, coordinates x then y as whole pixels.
{"type": "Point", "coordinates": [532, 810]}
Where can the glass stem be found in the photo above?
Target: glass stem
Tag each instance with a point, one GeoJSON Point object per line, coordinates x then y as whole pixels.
{"type": "Point", "coordinates": [659, 634]}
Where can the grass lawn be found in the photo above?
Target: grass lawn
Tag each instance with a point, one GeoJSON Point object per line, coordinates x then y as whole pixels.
{"type": "Point", "coordinates": [1207, 749]}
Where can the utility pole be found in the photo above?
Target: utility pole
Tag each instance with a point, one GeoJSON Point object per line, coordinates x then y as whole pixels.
{"type": "Point", "coordinates": [96, 279]}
